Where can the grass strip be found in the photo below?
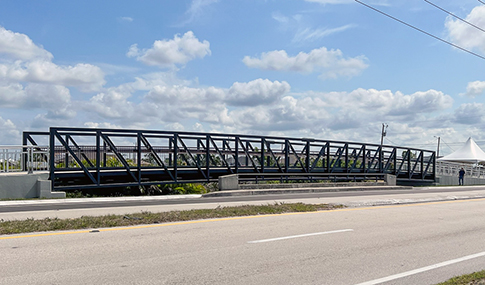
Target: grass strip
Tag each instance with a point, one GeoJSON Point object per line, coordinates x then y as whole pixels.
{"type": "Point", "coordinates": [475, 278]}
{"type": "Point", "coordinates": [86, 222]}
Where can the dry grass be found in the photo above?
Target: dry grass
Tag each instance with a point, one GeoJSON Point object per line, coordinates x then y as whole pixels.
{"type": "Point", "coordinates": [476, 278]}
{"type": "Point", "coordinates": [86, 222]}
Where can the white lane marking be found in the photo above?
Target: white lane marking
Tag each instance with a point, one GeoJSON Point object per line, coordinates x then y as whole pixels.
{"type": "Point", "coordinates": [299, 236]}
{"type": "Point", "coordinates": [422, 269]}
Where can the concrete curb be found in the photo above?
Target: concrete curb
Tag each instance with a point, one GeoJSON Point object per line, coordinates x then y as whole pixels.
{"type": "Point", "coordinates": [302, 190]}
{"type": "Point", "coordinates": [97, 200]}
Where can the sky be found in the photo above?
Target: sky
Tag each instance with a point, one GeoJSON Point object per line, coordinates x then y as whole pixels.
{"type": "Point", "coordinates": [323, 69]}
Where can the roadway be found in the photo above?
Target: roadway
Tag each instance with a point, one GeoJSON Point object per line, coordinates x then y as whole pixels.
{"type": "Point", "coordinates": [71, 208]}
{"type": "Point", "coordinates": [419, 243]}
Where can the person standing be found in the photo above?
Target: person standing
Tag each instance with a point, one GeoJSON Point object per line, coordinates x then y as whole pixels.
{"type": "Point", "coordinates": [461, 175]}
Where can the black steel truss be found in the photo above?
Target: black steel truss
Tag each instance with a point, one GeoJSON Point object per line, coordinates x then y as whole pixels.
{"type": "Point", "coordinates": [82, 157]}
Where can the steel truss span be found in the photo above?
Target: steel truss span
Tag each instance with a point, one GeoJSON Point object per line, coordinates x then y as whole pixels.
{"type": "Point", "coordinates": [83, 158]}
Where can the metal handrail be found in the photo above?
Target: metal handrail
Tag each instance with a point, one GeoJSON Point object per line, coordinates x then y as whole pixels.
{"type": "Point", "coordinates": [445, 168]}
{"type": "Point", "coordinates": [18, 158]}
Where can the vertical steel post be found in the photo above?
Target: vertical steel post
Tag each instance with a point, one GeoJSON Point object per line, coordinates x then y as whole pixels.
{"type": "Point", "coordinates": [223, 150]}
{"type": "Point", "coordinates": [409, 162]}
{"type": "Point", "coordinates": [24, 150]}
{"type": "Point", "coordinates": [138, 145]}
{"type": "Point", "coordinates": [98, 157]}
{"type": "Point", "coordinates": [104, 152]}
{"type": "Point", "coordinates": [380, 159]}
{"type": "Point", "coordinates": [66, 155]}
{"type": "Point", "coordinates": [207, 156]}
{"type": "Point", "coordinates": [262, 155]}
{"type": "Point", "coordinates": [236, 152]}
{"type": "Point", "coordinates": [307, 159]}
{"type": "Point", "coordinates": [346, 157]}
{"type": "Point", "coordinates": [395, 162]}
{"type": "Point", "coordinates": [422, 165]}
{"type": "Point", "coordinates": [198, 153]}
{"type": "Point", "coordinates": [52, 156]}
{"type": "Point", "coordinates": [170, 151]}
{"type": "Point", "coordinates": [247, 151]}
{"type": "Point", "coordinates": [287, 157]}
{"type": "Point", "coordinates": [175, 155]}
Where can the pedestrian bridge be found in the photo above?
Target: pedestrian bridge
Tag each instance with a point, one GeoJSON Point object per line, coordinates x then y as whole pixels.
{"type": "Point", "coordinates": [89, 158]}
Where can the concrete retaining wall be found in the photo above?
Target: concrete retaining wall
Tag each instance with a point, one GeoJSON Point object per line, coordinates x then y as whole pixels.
{"type": "Point", "coordinates": [453, 180]}
{"type": "Point", "coordinates": [18, 185]}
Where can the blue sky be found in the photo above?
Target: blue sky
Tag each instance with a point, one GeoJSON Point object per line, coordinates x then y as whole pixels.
{"type": "Point", "coordinates": [328, 69]}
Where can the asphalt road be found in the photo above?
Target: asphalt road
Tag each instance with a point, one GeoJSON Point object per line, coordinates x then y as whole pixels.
{"type": "Point", "coordinates": [405, 244]}
{"type": "Point", "coordinates": [71, 208]}
{"type": "Point", "coordinates": [39, 205]}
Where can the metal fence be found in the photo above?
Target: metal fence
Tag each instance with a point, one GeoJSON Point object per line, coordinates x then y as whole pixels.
{"type": "Point", "coordinates": [24, 158]}
{"type": "Point", "coordinates": [444, 168]}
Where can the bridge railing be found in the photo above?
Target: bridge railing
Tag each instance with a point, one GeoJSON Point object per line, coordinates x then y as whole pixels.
{"type": "Point", "coordinates": [105, 157]}
{"type": "Point", "coordinates": [24, 158]}
{"type": "Point", "coordinates": [444, 168]}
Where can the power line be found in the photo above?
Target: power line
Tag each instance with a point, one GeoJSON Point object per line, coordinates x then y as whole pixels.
{"type": "Point", "coordinates": [422, 31]}
{"type": "Point", "coordinates": [447, 145]}
{"type": "Point", "coordinates": [481, 2]}
{"type": "Point", "coordinates": [463, 20]}
{"type": "Point", "coordinates": [391, 141]}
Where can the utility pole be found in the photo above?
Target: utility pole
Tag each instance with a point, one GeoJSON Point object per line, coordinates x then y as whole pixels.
{"type": "Point", "coordinates": [383, 132]}
{"type": "Point", "coordinates": [438, 149]}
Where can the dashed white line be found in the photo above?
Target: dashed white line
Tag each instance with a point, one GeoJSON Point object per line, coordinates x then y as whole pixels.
{"type": "Point", "coordinates": [422, 269]}
{"type": "Point", "coordinates": [299, 236]}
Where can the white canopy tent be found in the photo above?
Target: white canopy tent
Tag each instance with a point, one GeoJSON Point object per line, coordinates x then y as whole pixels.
{"type": "Point", "coordinates": [468, 153]}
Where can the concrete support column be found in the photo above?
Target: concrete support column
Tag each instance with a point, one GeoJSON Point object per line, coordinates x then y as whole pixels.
{"type": "Point", "coordinates": [229, 182]}
{"type": "Point", "coordinates": [390, 179]}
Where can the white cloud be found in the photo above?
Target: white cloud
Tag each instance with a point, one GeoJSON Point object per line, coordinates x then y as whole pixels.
{"type": "Point", "coordinates": [319, 113]}
{"type": "Point", "coordinates": [54, 98]}
{"type": "Point", "coordinates": [280, 17]}
{"type": "Point", "coordinates": [113, 103]}
{"type": "Point", "coordinates": [303, 31]}
{"type": "Point", "coordinates": [309, 34]}
{"type": "Point", "coordinates": [103, 125]}
{"type": "Point", "coordinates": [168, 53]}
{"type": "Point", "coordinates": [86, 77]}
{"type": "Point", "coordinates": [20, 46]}
{"type": "Point", "coordinates": [175, 103]}
{"type": "Point", "coordinates": [470, 114]}
{"type": "Point", "coordinates": [27, 62]}
{"type": "Point", "coordinates": [474, 89]}
{"type": "Point", "coordinates": [384, 102]}
{"type": "Point", "coordinates": [196, 8]}
{"type": "Point", "coordinates": [12, 95]}
{"type": "Point", "coordinates": [289, 114]}
{"type": "Point", "coordinates": [49, 97]}
{"type": "Point", "coordinates": [126, 19]}
{"type": "Point", "coordinates": [330, 63]}
{"type": "Point", "coordinates": [465, 35]}
{"type": "Point", "coordinates": [256, 92]}
{"type": "Point", "coordinates": [8, 132]}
